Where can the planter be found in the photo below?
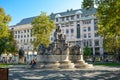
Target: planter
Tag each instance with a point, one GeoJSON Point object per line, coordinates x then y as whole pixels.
{"type": "Point", "coordinates": [4, 73]}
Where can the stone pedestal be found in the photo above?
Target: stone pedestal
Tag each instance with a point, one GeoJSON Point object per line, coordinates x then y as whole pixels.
{"type": "Point", "coordinates": [66, 64]}
{"type": "Point", "coordinates": [81, 63]}
{"type": "Point", "coordinates": [47, 61]}
{"type": "Point", "coordinates": [52, 65]}
{"type": "Point", "coordinates": [21, 59]}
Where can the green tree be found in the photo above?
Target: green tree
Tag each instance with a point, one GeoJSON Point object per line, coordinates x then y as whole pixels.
{"type": "Point", "coordinates": [4, 31]}
{"type": "Point", "coordinates": [42, 28]}
{"type": "Point", "coordinates": [87, 52]}
{"type": "Point", "coordinates": [109, 23]}
{"type": "Point", "coordinates": [11, 45]}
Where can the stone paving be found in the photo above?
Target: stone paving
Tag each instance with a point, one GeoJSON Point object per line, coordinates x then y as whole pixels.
{"type": "Point", "coordinates": [97, 73]}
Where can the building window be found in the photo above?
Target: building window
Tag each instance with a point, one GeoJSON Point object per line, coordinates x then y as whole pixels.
{"type": "Point", "coordinates": [18, 36]}
{"type": "Point", "coordinates": [85, 36]}
{"type": "Point", "coordinates": [84, 43]}
{"type": "Point", "coordinates": [86, 22]}
{"type": "Point", "coordinates": [90, 43]}
{"type": "Point", "coordinates": [30, 40]}
{"type": "Point", "coordinates": [95, 28]}
{"type": "Point", "coordinates": [21, 41]}
{"type": "Point", "coordinates": [96, 35]}
{"type": "Point", "coordinates": [21, 36]}
{"type": "Point", "coordinates": [56, 19]}
{"type": "Point", "coordinates": [67, 31]}
{"type": "Point", "coordinates": [89, 35]}
{"type": "Point", "coordinates": [18, 31]}
{"type": "Point", "coordinates": [89, 29]}
{"type": "Point", "coordinates": [15, 32]}
{"type": "Point", "coordinates": [78, 30]}
{"type": "Point", "coordinates": [62, 25]}
{"type": "Point", "coordinates": [27, 35]}
{"type": "Point", "coordinates": [24, 40]}
{"type": "Point", "coordinates": [27, 40]}
{"type": "Point", "coordinates": [72, 30]}
{"type": "Point", "coordinates": [62, 18]}
{"type": "Point", "coordinates": [28, 30]}
{"type": "Point", "coordinates": [84, 29]}
{"type": "Point", "coordinates": [67, 24]}
{"type": "Point", "coordinates": [67, 18]}
{"type": "Point", "coordinates": [71, 23]}
{"type": "Point", "coordinates": [78, 16]}
{"type": "Point", "coordinates": [72, 17]}
{"type": "Point", "coordinates": [96, 42]}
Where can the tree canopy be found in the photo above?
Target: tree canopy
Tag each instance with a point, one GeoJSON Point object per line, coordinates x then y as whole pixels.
{"type": "Point", "coordinates": [4, 20]}
{"type": "Point", "coordinates": [109, 22]}
{"type": "Point", "coordinates": [87, 51]}
{"type": "Point", "coordinates": [42, 28]}
{"type": "Point", "coordinates": [4, 29]}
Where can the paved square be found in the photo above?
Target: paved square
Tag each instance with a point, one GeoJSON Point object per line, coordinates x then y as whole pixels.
{"type": "Point", "coordinates": [97, 73]}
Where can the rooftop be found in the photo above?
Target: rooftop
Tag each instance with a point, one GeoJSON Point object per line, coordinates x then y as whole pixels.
{"type": "Point", "coordinates": [84, 13]}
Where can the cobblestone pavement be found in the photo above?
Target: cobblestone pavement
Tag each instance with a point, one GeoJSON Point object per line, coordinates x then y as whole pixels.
{"type": "Point", "coordinates": [97, 73]}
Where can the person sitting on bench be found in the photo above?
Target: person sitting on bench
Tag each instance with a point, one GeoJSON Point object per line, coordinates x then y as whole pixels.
{"type": "Point", "coordinates": [33, 63]}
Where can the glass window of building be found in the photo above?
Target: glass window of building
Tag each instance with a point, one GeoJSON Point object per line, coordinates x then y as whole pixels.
{"type": "Point", "coordinates": [27, 35]}
{"type": "Point", "coordinates": [71, 23]}
{"type": "Point", "coordinates": [90, 42]}
{"type": "Point", "coordinates": [28, 30]}
{"type": "Point", "coordinates": [67, 31]}
{"type": "Point", "coordinates": [72, 30]}
{"type": "Point", "coordinates": [89, 35]}
{"type": "Point", "coordinates": [95, 28]}
{"type": "Point", "coordinates": [18, 31]}
{"type": "Point", "coordinates": [27, 40]}
{"type": "Point", "coordinates": [30, 40]}
{"type": "Point", "coordinates": [18, 36]}
{"type": "Point", "coordinates": [78, 30]}
{"type": "Point", "coordinates": [89, 28]}
{"type": "Point", "coordinates": [62, 18]}
{"type": "Point", "coordinates": [89, 22]}
{"type": "Point", "coordinates": [24, 40]}
{"type": "Point", "coordinates": [67, 18]}
{"type": "Point", "coordinates": [21, 36]}
{"type": "Point", "coordinates": [21, 40]}
{"type": "Point", "coordinates": [78, 16]}
{"type": "Point", "coordinates": [15, 32]}
{"type": "Point", "coordinates": [67, 24]}
{"type": "Point", "coordinates": [96, 42]}
{"type": "Point", "coordinates": [72, 17]}
{"type": "Point", "coordinates": [96, 35]}
{"type": "Point", "coordinates": [62, 25]}
{"type": "Point", "coordinates": [85, 36]}
{"type": "Point", "coordinates": [56, 19]}
{"type": "Point", "coordinates": [84, 29]}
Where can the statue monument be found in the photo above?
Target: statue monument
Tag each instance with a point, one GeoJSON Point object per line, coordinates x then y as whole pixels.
{"type": "Point", "coordinates": [57, 54]}
{"type": "Point", "coordinates": [21, 55]}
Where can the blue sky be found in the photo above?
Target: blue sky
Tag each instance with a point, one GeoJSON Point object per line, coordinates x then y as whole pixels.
{"type": "Point", "coordinates": [19, 9]}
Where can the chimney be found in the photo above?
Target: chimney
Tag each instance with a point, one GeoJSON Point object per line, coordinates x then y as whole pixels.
{"type": "Point", "coordinates": [67, 10]}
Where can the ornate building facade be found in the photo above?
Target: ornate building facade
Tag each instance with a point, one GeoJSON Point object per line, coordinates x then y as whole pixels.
{"type": "Point", "coordinates": [78, 25]}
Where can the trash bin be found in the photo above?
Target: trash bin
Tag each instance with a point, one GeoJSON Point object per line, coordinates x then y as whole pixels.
{"type": "Point", "coordinates": [4, 73]}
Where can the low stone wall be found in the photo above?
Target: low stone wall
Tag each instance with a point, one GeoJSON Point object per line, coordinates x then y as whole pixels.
{"type": "Point", "coordinates": [50, 58]}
